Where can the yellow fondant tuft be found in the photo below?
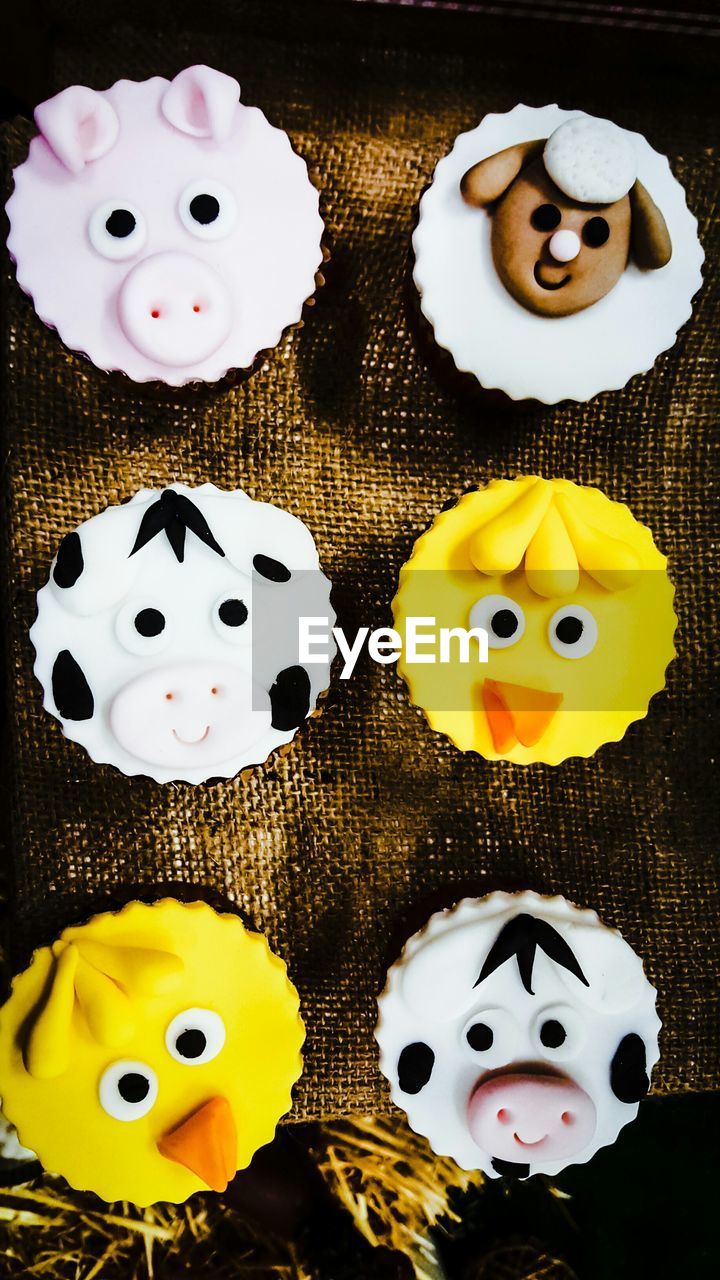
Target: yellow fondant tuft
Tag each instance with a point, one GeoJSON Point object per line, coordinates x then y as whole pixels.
{"type": "Point", "coordinates": [47, 1052]}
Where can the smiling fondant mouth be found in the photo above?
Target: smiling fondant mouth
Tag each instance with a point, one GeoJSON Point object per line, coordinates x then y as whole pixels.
{"type": "Point", "coordinates": [192, 742]}
{"type": "Point", "coordinates": [528, 1145]}
{"type": "Point", "coordinates": [548, 284]}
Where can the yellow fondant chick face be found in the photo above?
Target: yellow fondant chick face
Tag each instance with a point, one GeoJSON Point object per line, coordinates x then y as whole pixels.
{"type": "Point", "coordinates": [147, 1054]}
{"type": "Point", "coordinates": [578, 609]}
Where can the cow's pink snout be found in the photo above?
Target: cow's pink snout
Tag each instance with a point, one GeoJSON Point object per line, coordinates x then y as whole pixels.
{"type": "Point", "coordinates": [529, 1117]}
{"type": "Point", "coordinates": [174, 308]}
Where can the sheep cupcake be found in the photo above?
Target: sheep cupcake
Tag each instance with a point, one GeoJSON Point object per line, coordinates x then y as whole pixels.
{"type": "Point", "coordinates": [518, 1034]}
{"type": "Point", "coordinates": [567, 611]}
{"type": "Point", "coordinates": [555, 255]}
{"type": "Point", "coordinates": [136, 1065]}
{"type": "Point", "coordinates": [164, 229]}
{"type": "Point", "coordinates": [167, 638]}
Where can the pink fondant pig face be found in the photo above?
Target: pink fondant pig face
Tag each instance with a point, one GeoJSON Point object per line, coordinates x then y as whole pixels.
{"type": "Point", "coordinates": [164, 229]}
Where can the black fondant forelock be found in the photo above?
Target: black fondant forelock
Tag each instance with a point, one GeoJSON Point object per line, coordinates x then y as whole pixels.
{"type": "Point", "coordinates": [521, 937]}
{"type": "Point", "coordinates": [273, 570]}
{"type": "Point", "coordinates": [173, 514]}
{"type": "Point", "coordinates": [628, 1070]}
{"type": "Point", "coordinates": [509, 1169]}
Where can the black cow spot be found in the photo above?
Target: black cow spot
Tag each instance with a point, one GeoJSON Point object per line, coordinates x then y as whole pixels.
{"type": "Point", "coordinates": [69, 564]}
{"type": "Point", "coordinates": [415, 1066]}
{"type": "Point", "coordinates": [274, 570]}
{"type": "Point", "coordinates": [509, 1169]}
{"type": "Point", "coordinates": [290, 698]}
{"type": "Point", "coordinates": [71, 691]}
{"type": "Point", "coordinates": [628, 1070]}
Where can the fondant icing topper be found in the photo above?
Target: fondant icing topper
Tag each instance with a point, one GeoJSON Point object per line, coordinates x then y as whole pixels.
{"type": "Point", "coordinates": [565, 212]}
{"type": "Point", "coordinates": [167, 637]}
{"type": "Point", "coordinates": [139, 1067]}
{"type": "Point", "coordinates": [555, 255]}
{"type": "Point", "coordinates": [577, 605]}
{"type": "Point", "coordinates": [163, 228]}
{"type": "Point", "coordinates": [518, 1034]}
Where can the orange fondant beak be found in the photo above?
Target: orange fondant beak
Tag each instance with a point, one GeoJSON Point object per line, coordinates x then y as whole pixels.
{"type": "Point", "coordinates": [205, 1143]}
{"type": "Point", "coordinates": [517, 713]}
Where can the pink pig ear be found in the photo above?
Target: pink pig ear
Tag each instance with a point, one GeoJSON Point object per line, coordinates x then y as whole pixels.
{"type": "Point", "coordinates": [202, 102]}
{"type": "Point", "coordinates": [79, 125]}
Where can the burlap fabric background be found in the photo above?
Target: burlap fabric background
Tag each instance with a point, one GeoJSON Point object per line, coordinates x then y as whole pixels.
{"type": "Point", "coordinates": [341, 847]}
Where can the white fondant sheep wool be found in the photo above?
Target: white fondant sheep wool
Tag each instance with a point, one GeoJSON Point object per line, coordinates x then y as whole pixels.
{"type": "Point", "coordinates": [592, 161]}
{"type": "Point", "coordinates": [518, 1034]}
{"type": "Point", "coordinates": [167, 638]}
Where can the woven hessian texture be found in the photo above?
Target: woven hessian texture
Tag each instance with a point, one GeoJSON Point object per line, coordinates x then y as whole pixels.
{"type": "Point", "coordinates": [340, 848]}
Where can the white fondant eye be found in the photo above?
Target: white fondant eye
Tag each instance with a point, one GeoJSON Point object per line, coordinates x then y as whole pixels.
{"type": "Point", "coordinates": [117, 229]}
{"type": "Point", "coordinates": [195, 1036]}
{"type": "Point", "coordinates": [208, 210]}
{"type": "Point", "coordinates": [559, 1032]}
{"type": "Point", "coordinates": [501, 617]}
{"type": "Point", "coordinates": [490, 1034]}
{"type": "Point", "coordinates": [142, 627]}
{"type": "Point", "coordinates": [572, 631]}
{"type": "Point", "coordinates": [231, 618]}
{"type": "Point", "coordinates": [128, 1090]}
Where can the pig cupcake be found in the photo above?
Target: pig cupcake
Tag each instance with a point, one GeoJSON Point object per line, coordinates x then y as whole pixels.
{"type": "Point", "coordinates": [167, 638]}
{"type": "Point", "coordinates": [164, 229]}
{"type": "Point", "coordinates": [518, 1034]}
{"type": "Point", "coordinates": [555, 255]}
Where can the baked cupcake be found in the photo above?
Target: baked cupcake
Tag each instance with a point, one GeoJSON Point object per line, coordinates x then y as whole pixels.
{"type": "Point", "coordinates": [518, 1034]}
{"type": "Point", "coordinates": [168, 637]}
{"type": "Point", "coordinates": [148, 1054]}
{"type": "Point", "coordinates": [555, 255]}
{"type": "Point", "coordinates": [574, 602]}
{"type": "Point", "coordinates": [164, 229]}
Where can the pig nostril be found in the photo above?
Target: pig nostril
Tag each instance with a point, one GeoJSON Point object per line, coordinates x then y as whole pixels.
{"type": "Point", "coordinates": [196, 308]}
{"type": "Point", "coordinates": [567, 1117]}
{"type": "Point", "coordinates": [155, 313]}
{"type": "Point", "coordinates": [503, 1116]}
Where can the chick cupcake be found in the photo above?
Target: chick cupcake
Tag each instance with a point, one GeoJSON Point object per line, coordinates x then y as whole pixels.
{"type": "Point", "coordinates": [167, 638]}
{"type": "Point", "coordinates": [138, 1067]}
{"type": "Point", "coordinates": [555, 255]}
{"type": "Point", "coordinates": [574, 602]}
{"type": "Point", "coordinates": [163, 228]}
{"type": "Point", "coordinates": [518, 1034]}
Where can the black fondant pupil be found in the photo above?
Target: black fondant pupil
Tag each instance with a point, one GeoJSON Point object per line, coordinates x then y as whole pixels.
{"type": "Point", "coordinates": [120, 224]}
{"type": "Point", "coordinates": [191, 1043]}
{"type": "Point", "coordinates": [204, 209]}
{"type": "Point", "coordinates": [149, 622]}
{"type": "Point", "coordinates": [569, 630]}
{"type": "Point", "coordinates": [552, 1034]}
{"type": "Point", "coordinates": [133, 1087]}
{"type": "Point", "coordinates": [274, 570]}
{"type": "Point", "coordinates": [233, 613]}
{"type": "Point", "coordinates": [504, 624]}
{"type": "Point", "coordinates": [480, 1037]}
{"type": "Point", "coordinates": [546, 217]}
{"type": "Point", "coordinates": [596, 232]}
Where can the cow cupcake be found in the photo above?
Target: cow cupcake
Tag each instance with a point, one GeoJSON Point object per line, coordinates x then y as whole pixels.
{"type": "Point", "coordinates": [567, 612]}
{"type": "Point", "coordinates": [518, 1034]}
{"type": "Point", "coordinates": [555, 255]}
{"type": "Point", "coordinates": [167, 638]}
{"type": "Point", "coordinates": [164, 229]}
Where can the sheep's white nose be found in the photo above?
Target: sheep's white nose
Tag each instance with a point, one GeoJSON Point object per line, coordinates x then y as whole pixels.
{"type": "Point", "coordinates": [564, 246]}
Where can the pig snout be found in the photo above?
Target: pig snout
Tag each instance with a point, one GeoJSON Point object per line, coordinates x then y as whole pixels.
{"type": "Point", "coordinates": [190, 713]}
{"type": "Point", "coordinates": [174, 308]}
{"type": "Point", "coordinates": [527, 1117]}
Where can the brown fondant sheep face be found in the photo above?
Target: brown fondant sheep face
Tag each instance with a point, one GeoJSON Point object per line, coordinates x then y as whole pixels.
{"type": "Point", "coordinates": [557, 255]}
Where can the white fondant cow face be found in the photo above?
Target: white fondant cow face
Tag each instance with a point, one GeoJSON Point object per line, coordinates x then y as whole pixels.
{"type": "Point", "coordinates": [518, 1034]}
{"type": "Point", "coordinates": [167, 636]}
